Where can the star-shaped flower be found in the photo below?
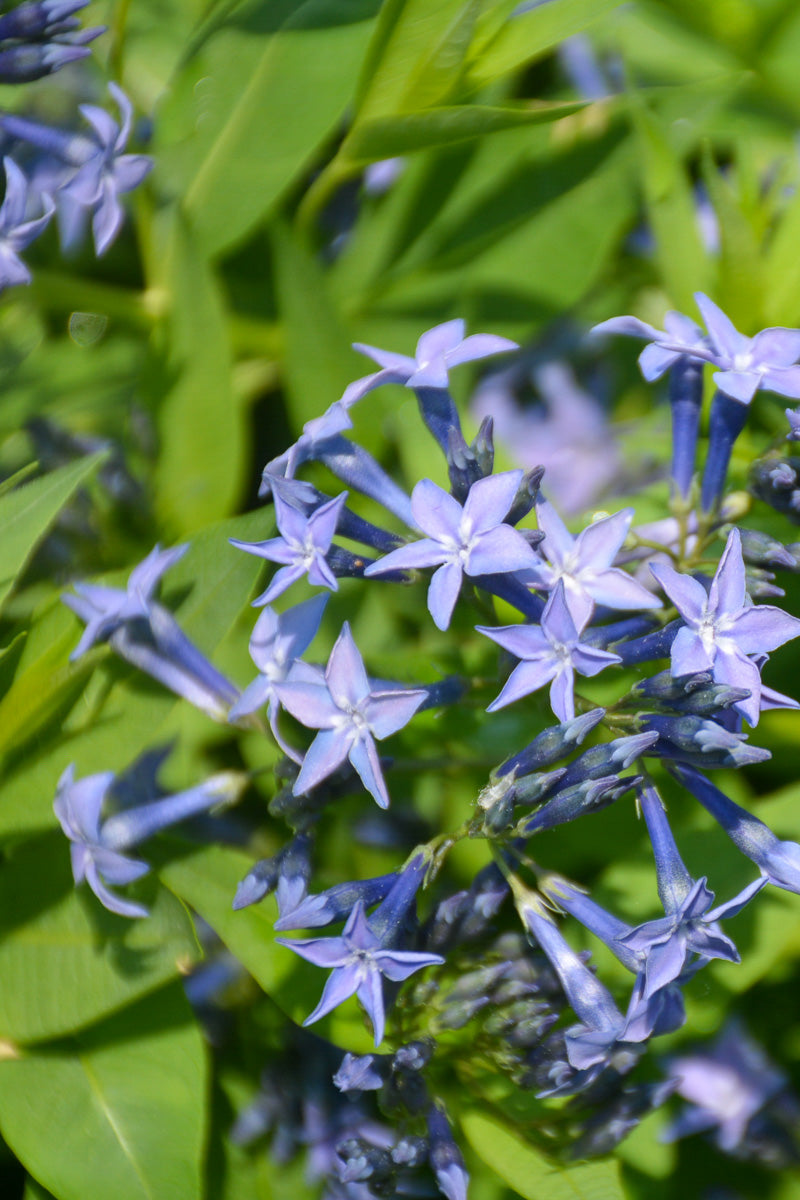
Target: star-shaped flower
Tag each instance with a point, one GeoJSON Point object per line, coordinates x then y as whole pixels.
{"type": "Point", "coordinates": [549, 653]}
{"type": "Point", "coordinates": [745, 365]}
{"type": "Point", "coordinates": [302, 545]}
{"type": "Point", "coordinates": [583, 563]}
{"type": "Point", "coordinates": [358, 959]}
{"type": "Point", "coordinates": [97, 846]}
{"type": "Point", "coordinates": [437, 351]}
{"type": "Point", "coordinates": [105, 171]}
{"type": "Point", "coordinates": [16, 234]}
{"type": "Point", "coordinates": [723, 628]}
{"type": "Point", "coordinates": [276, 646]}
{"type": "Point", "coordinates": [689, 925]}
{"type": "Point", "coordinates": [469, 540]}
{"type": "Point", "coordinates": [105, 609]}
{"type": "Point", "coordinates": [350, 712]}
{"type": "Point", "coordinates": [680, 336]}
{"type": "Point", "coordinates": [748, 364]}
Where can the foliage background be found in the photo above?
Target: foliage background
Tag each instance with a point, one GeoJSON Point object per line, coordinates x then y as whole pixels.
{"type": "Point", "coordinates": [196, 349]}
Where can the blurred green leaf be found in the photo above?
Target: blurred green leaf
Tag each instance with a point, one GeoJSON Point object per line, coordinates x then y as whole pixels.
{"type": "Point", "coordinates": [520, 39]}
{"type": "Point", "coordinates": [200, 468]}
{"type": "Point", "coordinates": [277, 84]}
{"type": "Point", "coordinates": [403, 134]}
{"type": "Point", "coordinates": [131, 1093]}
{"type": "Point", "coordinates": [65, 961]}
{"type": "Point", "coordinates": [319, 362]}
{"type": "Point", "coordinates": [27, 512]}
{"type": "Point", "coordinates": [530, 1174]}
{"type": "Point", "coordinates": [671, 210]}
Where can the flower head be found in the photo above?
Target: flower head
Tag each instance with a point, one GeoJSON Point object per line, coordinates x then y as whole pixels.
{"type": "Point", "coordinates": [437, 351]}
{"type": "Point", "coordinates": [350, 712]}
{"type": "Point", "coordinates": [469, 539]}
{"type": "Point", "coordinates": [722, 628]}
{"type": "Point", "coordinates": [584, 564]}
{"type": "Point", "coordinates": [301, 547]}
{"type": "Point", "coordinates": [365, 951]}
{"type": "Point", "coordinates": [549, 653]}
{"type": "Point", "coordinates": [16, 234]}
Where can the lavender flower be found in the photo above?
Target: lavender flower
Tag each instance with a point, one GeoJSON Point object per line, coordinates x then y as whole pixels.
{"type": "Point", "coordinates": [350, 713]}
{"type": "Point", "coordinates": [744, 364]}
{"type": "Point", "coordinates": [583, 563]}
{"type": "Point", "coordinates": [468, 540]}
{"type": "Point", "coordinates": [366, 950]}
{"type": "Point", "coordinates": [301, 546]}
{"type": "Point", "coordinates": [726, 1085]}
{"type": "Point", "coordinates": [690, 924]}
{"type": "Point", "coordinates": [16, 234]}
{"type": "Point", "coordinates": [447, 1162]}
{"type": "Point", "coordinates": [97, 847]}
{"type": "Point", "coordinates": [100, 170]}
{"type": "Point", "coordinates": [777, 860]}
{"type": "Point", "coordinates": [276, 645]}
{"type": "Point", "coordinates": [105, 609]}
{"type": "Point", "coordinates": [549, 653]}
{"type": "Point", "coordinates": [722, 627]}
{"type": "Point", "coordinates": [147, 635]}
{"type": "Point", "coordinates": [438, 350]}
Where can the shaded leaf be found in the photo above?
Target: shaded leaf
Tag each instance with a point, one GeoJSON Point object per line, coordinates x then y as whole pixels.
{"type": "Point", "coordinates": [131, 1093]}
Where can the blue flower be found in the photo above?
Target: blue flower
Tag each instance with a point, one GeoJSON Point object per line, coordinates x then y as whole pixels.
{"type": "Point", "coordinates": [100, 171]}
{"type": "Point", "coordinates": [350, 713]}
{"type": "Point", "coordinates": [366, 951]}
{"type": "Point", "coordinates": [438, 350]}
{"type": "Point", "coordinates": [690, 923]}
{"type": "Point", "coordinates": [778, 861]}
{"type": "Point", "coordinates": [147, 635]}
{"type": "Point", "coordinates": [584, 564]}
{"type": "Point", "coordinates": [726, 1085]}
{"type": "Point", "coordinates": [549, 653]}
{"type": "Point", "coordinates": [97, 846]}
{"type": "Point", "coordinates": [276, 646]}
{"type": "Point", "coordinates": [16, 233]}
{"type": "Point", "coordinates": [744, 364]}
{"type": "Point", "coordinates": [301, 547]}
{"type": "Point", "coordinates": [722, 628]}
{"type": "Point", "coordinates": [469, 539]}
{"type": "Point", "coordinates": [105, 609]}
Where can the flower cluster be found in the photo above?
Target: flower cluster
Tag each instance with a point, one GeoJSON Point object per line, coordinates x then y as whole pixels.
{"type": "Point", "coordinates": [589, 604]}
{"type": "Point", "coordinates": [78, 175]}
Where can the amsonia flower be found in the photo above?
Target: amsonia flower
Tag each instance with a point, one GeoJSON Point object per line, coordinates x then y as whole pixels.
{"type": "Point", "coordinates": [350, 711]}
{"type": "Point", "coordinates": [584, 564]}
{"type": "Point", "coordinates": [16, 234]}
{"type": "Point", "coordinates": [97, 846]}
{"type": "Point", "coordinates": [301, 547]}
{"type": "Point", "coordinates": [469, 540]}
{"type": "Point", "coordinates": [437, 351]}
{"type": "Point", "coordinates": [722, 627]}
{"type": "Point", "coordinates": [549, 653]}
{"type": "Point", "coordinates": [366, 950]}
{"type": "Point", "coordinates": [100, 170]}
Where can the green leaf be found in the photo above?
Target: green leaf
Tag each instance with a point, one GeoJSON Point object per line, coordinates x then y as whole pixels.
{"type": "Point", "coordinates": [319, 362]}
{"type": "Point", "coordinates": [201, 420]}
{"type": "Point", "coordinates": [131, 1092]}
{"type": "Point", "coordinates": [530, 1174]}
{"type": "Point", "coordinates": [680, 254]}
{"type": "Point", "coordinates": [64, 960]}
{"type": "Point", "coordinates": [275, 92]}
{"type": "Point", "coordinates": [416, 56]}
{"type": "Point", "coordinates": [403, 134]}
{"type": "Point", "coordinates": [740, 289]}
{"type": "Point", "coordinates": [214, 582]}
{"type": "Point", "coordinates": [207, 881]}
{"type": "Point", "coordinates": [518, 40]}
{"type": "Point", "coordinates": [27, 513]}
